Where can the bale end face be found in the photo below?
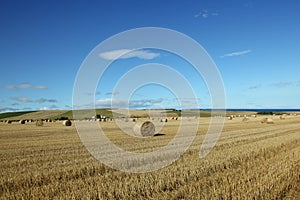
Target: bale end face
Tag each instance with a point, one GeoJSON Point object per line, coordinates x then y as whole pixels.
{"type": "Point", "coordinates": [67, 123]}
{"type": "Point", "coordinates": [147, 129]}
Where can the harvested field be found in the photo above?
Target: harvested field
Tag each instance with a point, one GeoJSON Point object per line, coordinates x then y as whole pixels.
{"type": "Point", "coordinates": [250, 161]}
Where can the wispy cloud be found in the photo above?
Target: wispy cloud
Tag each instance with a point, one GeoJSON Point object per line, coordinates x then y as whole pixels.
{"type": "Point", "coordinates": [53, 107]}
{"type": "Point", "coordinates": [29, 100]}
{"type": "Point", "coordinates": [68, 107]}
{"type": "Point", "coordinates": [279, 84]}
{"type": "Point", "coordinates": [118, 103]}
{"type": "Point", "coordinates": [112, 93]}
{"type": "Point", "coordinates": [7, 109]}
{"type": "Point", "coordinates": [144, 103]}
{"type": "Point", "coordinates": [1, 101]}
{"type": "Point", "coordinates": [282, 84]}
{"type": "Point", "coordinates": [91, 94]}
{"type": "Point", "coordinates": [22, 99]}
{"type": "Point", "coordinates": [236, 53]}
{"type": "Point", "coordinates": [128, 53]}
{"type": "Point", "coordinates": [205, 14]}
{"type": "Point", "coordinates": [24, 86]}
{"type": "Point", "coordinates": [254, 87]}
{"type": "Point", "coordinates": [43, 100]}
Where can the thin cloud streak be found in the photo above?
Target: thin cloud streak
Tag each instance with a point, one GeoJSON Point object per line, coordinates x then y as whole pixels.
{"type": "Point", "coordinates": [254, 87]}
{"type": "Point", "coordinates": [24, 86]}
{"type": "Point", "coordinates": [128, 53]}
{"type": "Point", "coordinates": [237, 53]}
{"type": "Point", "coordinates": [119, 103]}
{"type": "Point", "coordinates": [22, 99]}
{"type": "Point", "coordinates": [28, 100]}
{"type": "Point", "coordinates": [112, 93]}
{"type": "Point", "coordinates": [205, 14]}
{"type": "Point", "coordinates": [8, 109]}
{"type": "Point", "coordinates": [281, 84]}
{"type": "Point", "coordinates": [43, 100]}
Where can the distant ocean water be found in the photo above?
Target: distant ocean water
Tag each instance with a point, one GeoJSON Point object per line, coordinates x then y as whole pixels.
{"type": "Point", "coordinates": [260, 109]}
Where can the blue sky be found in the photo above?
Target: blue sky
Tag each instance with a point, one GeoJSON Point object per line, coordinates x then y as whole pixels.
{"type": "Point", "coordinates": [255, 45]}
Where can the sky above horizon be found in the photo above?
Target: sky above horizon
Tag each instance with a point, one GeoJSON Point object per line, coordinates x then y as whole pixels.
{"type": "Point", "coordinates": [254, 44]}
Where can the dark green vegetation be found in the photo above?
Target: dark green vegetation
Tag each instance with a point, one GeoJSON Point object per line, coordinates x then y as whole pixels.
{"type": "Point", "coordinates": [13, 114]}
{"type": "Point", "coordinates": [270, 113]}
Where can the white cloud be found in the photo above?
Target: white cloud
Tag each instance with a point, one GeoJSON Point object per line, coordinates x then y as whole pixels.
{"type": "Point", "coordinates": [215, 14]}
{"type": "Point", "coordinates": [112, 93]}
{"type": "Point", "coordinates": [43, 100]}
{"type": "Point", "coordinates": [22, 99]}
{"type": "Point", "coordinates": [108, 102]}
{"type": "Point", "coordinates": [205, 14]}
{"type": "Point", "coordinates": [7, 109]}
{"type": "Point", "coordinates": [91, 94]}
{"type": "Point", "coordinates": [68, 107]}
{"type": "Point", "coordinates": [24, 86]}
{"type": "Point", "coordinates": [253, 87]}
{"type": "Point", "coordinates": [118, 103]}
{"type": "Point", "coordinates": [237, 53]}
{"type": "Point", "coordinates": [28, 100]}
{"type": "Point", "coordinates": [45, 108]}
{"type": "Point", "coordinates": [128, 53]}
{"type": "Point", "coordinates": [53, 107]}
{"type": "Point", "coordinates": [281, 84]}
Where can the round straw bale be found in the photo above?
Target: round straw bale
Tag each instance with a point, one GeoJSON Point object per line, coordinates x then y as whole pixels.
{"type": "Point", "coordinates": [264, 120]}
{"type": "Point", "coordinates": [145, 130]}
{"type": "Point", "coordinates": [164, 120]}
{"type": "Point", "coordinates": [282, 116]}
{"type": "Point", "coordinates": [39, 122]}
{"type": "Point", "coordinates": [22, 121]}
{"type": "Point", "coordinates": [270, 121]}
{"type": "Point", "coordinates": [67, 123]}
{"type": "Point", "coordinates": [245, 119]}
{"type": "Point", "coordinates": [9, 121]}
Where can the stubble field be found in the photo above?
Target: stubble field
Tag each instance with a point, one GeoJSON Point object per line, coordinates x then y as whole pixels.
{"type": "Point", "coordinates": [251, 160]}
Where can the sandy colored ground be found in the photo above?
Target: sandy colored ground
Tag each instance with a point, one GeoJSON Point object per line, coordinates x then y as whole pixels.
{"type": "Point", "coordinates": [251, 160]}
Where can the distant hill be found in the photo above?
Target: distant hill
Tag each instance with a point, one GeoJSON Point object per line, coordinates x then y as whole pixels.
{"type": "Point", "coordinates": [11, 115]}
{"type": "Point", "coordinates": [42, 114]}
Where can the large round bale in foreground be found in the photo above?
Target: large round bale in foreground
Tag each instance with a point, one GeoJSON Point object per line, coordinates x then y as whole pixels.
{"type": "Point", "coordinates": [145, 130]}
{"type": "Point", "coordinates": [67, 123]}
{"type": "Point", "coordinates": [39, 122]}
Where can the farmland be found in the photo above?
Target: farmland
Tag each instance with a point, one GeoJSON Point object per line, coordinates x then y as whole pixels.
{"type": "Point", "coordinates": [251, 160]}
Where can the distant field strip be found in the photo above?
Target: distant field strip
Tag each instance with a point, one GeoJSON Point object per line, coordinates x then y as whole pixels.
{"type": "Point", "coordinates": [38, 115]}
